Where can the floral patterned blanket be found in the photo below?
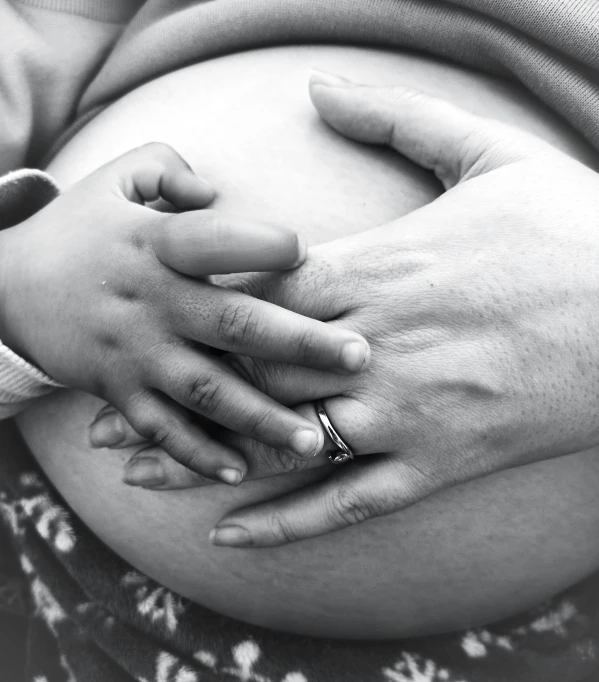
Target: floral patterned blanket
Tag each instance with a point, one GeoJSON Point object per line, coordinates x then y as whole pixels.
{"type": "Point", "coordinates": [87, 616]}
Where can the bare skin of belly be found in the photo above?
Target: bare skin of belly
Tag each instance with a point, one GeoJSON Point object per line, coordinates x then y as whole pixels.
{"type": "Point", "coordinates": [470, 555]}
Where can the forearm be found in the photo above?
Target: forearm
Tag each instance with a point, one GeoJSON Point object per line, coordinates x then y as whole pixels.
{"type": "Point", "coordinates": [22, 193]}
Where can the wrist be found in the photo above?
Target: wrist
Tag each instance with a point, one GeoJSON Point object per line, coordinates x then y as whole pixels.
{"type": "Point", "coordinates": [12, 267]}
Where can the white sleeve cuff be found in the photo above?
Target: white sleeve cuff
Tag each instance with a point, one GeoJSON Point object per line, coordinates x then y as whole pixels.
{"type": "Point", "coordinates": [20, 382]}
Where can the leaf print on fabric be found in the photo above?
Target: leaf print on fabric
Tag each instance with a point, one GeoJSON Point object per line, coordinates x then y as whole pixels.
{"type": "Point", "coordinates": [12, 513]}
{"type": "Point", "coordinates": [46, 605]}
{"type": "Point", "coordinates": [555, 621]}
{"type": "Point", "coordinates": [246, 655]}
{"type": "Point", "coordinates": [96, 615]}
{"type": "Point", "coordinates": [50, 519]}
{"type": "Point", "coordinates": [67, 669]}
{"type": "Point", "coordinates": [476, 643]}
{"type": "Point", "coordinates": [157, 603]}
{"type": "Point", "coordinates": [171, 669]}
{"type": "Point", "coordinates": [414, 668]}
{"type": "Point", "coordinates": [587, 650]}
{"type": "Point", "coordinates": [206, 658]}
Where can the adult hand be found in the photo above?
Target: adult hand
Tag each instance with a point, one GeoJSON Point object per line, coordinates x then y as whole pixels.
{"type": "Point", "coordinates": [480, 309]}
{"type": "Point", "coordinates": [109, 296]}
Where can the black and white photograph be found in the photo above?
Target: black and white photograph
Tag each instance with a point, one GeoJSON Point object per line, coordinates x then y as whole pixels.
{"type": "Point", "coordinates": [299, 340]}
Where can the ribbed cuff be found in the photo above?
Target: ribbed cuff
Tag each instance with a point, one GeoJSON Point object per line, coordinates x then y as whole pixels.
{"type": "Point", "coordinates": [20, 382]}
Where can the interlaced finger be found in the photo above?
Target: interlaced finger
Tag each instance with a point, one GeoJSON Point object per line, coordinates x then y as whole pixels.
{"type": "Point", "coordinates": [232, 321]}
{"type": "Point", "coordinates": [208, 387]}
{"type": "Point", "coordinates": [167, 425]}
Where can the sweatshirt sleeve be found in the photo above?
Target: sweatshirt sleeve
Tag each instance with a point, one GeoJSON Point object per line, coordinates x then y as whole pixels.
{"type": "Point", "coordinates": [22, 193]}
{"type": "Point", "coordinates": [49, 51]}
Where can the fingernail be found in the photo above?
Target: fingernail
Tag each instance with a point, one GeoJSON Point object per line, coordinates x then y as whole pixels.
{"type": "Point", "coordinates": [355, 355]}
{"type": "Point", "coordinates": [107, 431]}
{"type": "Point", "coordinates": [145, 472]}
{"type": "Point", "coordinates": [318, 77]}
{"type": "Point", "coordinates": [305, 443]}
{"type": "Point", "coordinates": [230, 476]}
{"type": "Point", "coordinates": [302, 250]}
{"type": "Point", "coordinates": [230, 536]}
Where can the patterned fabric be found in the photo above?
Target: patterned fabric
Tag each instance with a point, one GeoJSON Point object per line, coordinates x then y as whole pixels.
{"type": "Point", "coordinates": [95, 619]}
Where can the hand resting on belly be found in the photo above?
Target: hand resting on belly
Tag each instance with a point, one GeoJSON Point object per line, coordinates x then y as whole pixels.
{"type": "Point", "coordinates": [475, 553]}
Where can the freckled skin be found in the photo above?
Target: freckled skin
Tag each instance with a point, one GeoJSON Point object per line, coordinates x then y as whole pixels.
{"type": "Point", "coordinates": [470, 555]}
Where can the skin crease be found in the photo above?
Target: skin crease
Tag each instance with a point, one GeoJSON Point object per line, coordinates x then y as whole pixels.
{"type": "Point", "coordinates": [470, 555]}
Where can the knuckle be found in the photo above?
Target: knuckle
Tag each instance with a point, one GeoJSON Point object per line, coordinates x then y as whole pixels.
{"type": "Point", "coordinates": [417, 478]}
{"type": "Point", "coordinates": [281, 462]}
{"type": "Point", "coordinates": [215, 228]}
{"type": "Point", "coordinates": [204, 394]}
{"type": "Point", "coordinates": [161, 435]}
{"type": "Point", "coordinates": [154, 167]}
{"type": "Point", "coordinates": [305, 349]}
{"type": "Point", "coordinates": [140, 239]}
{"type": "Point", "coordinates": [259, 423]}
{"type": "Point", "coordinates": [348, 507]}
{"type": "Point", "coordinates": [147, 425]}
{"type": "Point", "coordinates": [186, 457]}
{"type": "Point", "coordinates": [159, 150]}
{"type": "Point", "coordinates": [262, 285]}
{"type": "Point", "coordinates": [238, 326]}
{"type": "Point", "coordinates": [251, 370]}
{"type": "Point", "coordinates": [472, 150]}
{"type": "Point", "coordinates": [281, 528]}
{"type": "Point", "coordinates": [401, 94]}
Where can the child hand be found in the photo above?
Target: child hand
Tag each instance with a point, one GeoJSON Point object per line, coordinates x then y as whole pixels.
{"type": "Point", "coordinates": [106, 295]}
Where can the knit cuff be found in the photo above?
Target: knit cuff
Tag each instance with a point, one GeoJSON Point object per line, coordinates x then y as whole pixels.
{"type": "Point", "coordinates": [20, 383]}
{"type": "Point", "coordinates": [22, 193]}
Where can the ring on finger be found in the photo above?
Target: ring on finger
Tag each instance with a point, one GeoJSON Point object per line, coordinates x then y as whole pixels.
{"type": "Point", "coordinates": [343, 452]}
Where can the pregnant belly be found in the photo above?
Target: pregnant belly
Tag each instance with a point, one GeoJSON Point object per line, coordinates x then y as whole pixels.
{"type": "Point", "coordinates": [473, 554]}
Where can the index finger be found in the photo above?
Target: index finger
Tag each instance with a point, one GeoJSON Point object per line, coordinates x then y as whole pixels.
{"type": "Point", "coordinates": [200, 243]}
{"type": "Point", "coordinates": [235, 322]}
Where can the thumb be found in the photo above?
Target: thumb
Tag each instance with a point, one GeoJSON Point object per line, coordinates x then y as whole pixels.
{"type": "Point", "coordinates": [455, 144]}
{"type": "Point", "coordinates": [358, 491]}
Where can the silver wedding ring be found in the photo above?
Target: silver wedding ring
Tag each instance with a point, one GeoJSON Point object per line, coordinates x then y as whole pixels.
{"type": "Point", "coordinates": [344, 453]}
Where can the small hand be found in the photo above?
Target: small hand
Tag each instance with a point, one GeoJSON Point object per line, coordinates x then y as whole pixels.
{"type": "Point", "coordinates": [109, 296]}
